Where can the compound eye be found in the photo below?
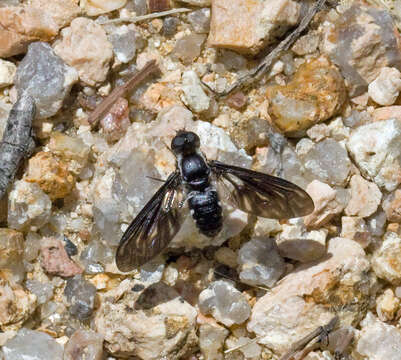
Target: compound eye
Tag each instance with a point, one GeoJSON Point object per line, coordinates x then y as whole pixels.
{"type": "Point", "coordinates": [177, 144]}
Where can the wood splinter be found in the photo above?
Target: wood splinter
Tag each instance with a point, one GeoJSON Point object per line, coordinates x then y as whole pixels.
{"type": "Point", "coordinates": [103, 108]}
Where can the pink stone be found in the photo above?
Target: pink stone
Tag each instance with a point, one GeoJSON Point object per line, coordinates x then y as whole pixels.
{"type": "Point", "coordinates": [116, 122]}
{"type": "Point", "coordinates": [54, 259]}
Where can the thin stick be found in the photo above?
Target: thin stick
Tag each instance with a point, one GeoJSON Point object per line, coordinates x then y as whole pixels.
{"type": "Point", "coordinates": [319, 333]}
{"type": "Point", "coordinates": [102, 109]}
{"type": "Point", "coordinates": [284, 45]}
{"type": "Point", "coordinates": [146, 17]}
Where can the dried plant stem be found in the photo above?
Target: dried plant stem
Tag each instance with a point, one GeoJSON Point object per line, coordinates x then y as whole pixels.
{"type": "Point", "coordinates": [102, 109]}
{"type": "Point", "coordinates": [147, 17]}
{"type": "Point", "coordinates": [284, 45]}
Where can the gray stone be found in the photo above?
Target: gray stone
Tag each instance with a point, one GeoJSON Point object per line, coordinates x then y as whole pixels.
{"type": "Point", "coordinates": [225, 303]}
{"type": "Point", "coordinates": [188, 48]}
{"type": "Point", "coordinates": [329, 162]}
{"type": "Point", "coordinates": [81, 296]}
{"type": "Point", "coordinates": [170, 24]}
{"type": "Point", "coordinates": [125, 43]}
{"type": "Point", "coordinates": [43, 291]}
{"type": "Point", "coordinates": [200, 20]}
{"type": "Point", "coordinates": [46, 77]}
{"type": "Point", "coordinates": [260, 262]}
{"type": "Point", "coordinates": [32, 345]}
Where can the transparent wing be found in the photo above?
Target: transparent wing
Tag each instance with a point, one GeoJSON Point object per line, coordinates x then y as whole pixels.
{"type": "Point", "coordinates": [261, 194]}
{"type": "Point", "coordinates": [154, 227]}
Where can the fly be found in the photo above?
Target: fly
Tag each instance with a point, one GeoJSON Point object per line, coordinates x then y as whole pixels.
{"type": "Point", "coordinates": [200, 183]}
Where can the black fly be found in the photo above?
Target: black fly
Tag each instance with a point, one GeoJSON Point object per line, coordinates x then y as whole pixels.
{"type": "Point", "coordinates": [194, 181]}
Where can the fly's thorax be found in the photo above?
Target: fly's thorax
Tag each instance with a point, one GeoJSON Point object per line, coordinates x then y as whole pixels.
{"type": "Point", "coordinates": [194, 171]}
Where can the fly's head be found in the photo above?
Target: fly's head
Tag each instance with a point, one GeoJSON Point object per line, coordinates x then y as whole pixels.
{"type": "Point", "coordinates": [185, 143]}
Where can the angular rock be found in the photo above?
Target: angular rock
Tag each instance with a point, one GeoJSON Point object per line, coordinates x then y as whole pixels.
{"type": "Point", "coordinates": [260, 262]}
{"type": "Point", "coordinates": [32, 345]}
{"type": "Point", "coordinates": [194, 96]}
{"type": "Point", "coordinates": [71, 150]}
{"type": "Point", "coordinates": [51, 174]}
{"type": "Point", "coordinates": [365, 197]}
{"type": "Point", "coordinates": [306, 44]}
{"type": "Point", "coordinates": [355, 228]}
{"type": "Point", "coordinates": [80, 294]}
{"type": "Point", "coordinates": [361, 42]}
{"type": "Point", "coordinates": [328, 203]}
{"type": "Point", "coordinates": [19, 26]}
{"type": "Point", "coordinates": [387, 340]}
{"type": "Point", "coordinates": [54, 259]}
{"type": "Point", "coordinates": [126, 41]}
{"type": "Point", "coordinates": [385, 89]}
{"type": "Point", "coordinates": [84, 46]}
{"type": "Point", "coordinates": [376, 150]}
{"type": "Point", "coordinates": [28, 206]}
{"type": "Point", "coordinates": [159, 323]}
{"type": "Point", "coordinates": [159, 96]}
{"type": "Point", "coordinates": [316, 93]}
{"type": "Point", "coordinates": [392, 206]}
{"type": "Point", "coordinates": [301, 301]}
{"type": "Point", "coordinates": [46, 78]}
{"type": "Point", "coordinates": [328, 161]}
{"type": "Point", "coordinates": [98, 7]}
{"type": "Point", "coordinates": [211, 341]}
{"type": "Point", "coordinates": [386, 113]}
{"type": "Point", "coordinates": [200, 20]}
{"type": "Point", "coordinates": [188, 48]}
{"type": "Point", "coordinates": [16, 305]}
{"type": "Point", "coordinates": [227, 305]}
{"type": "Point", "coordinates": [84, 344]}
{"type": "Point", "coordinates": [386, 260]}
{"type": "Point", "coordinates": [42, 291]}
{"type": "Point", "coordinates": [387, 305]}
{"type": "Point", "coordinates": [11, 254]}
{"type": "Point", "coordinates": [7, 73]}
{"type": "Point", "coordinates": [62, 12]}
{"type": "Point", "coordinates": [248, 26]}
{"type": "Point", "coordinates": [296, 243]}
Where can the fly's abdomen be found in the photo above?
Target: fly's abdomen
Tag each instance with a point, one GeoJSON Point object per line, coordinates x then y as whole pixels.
{"type": "Point", "coordinates": [206, 211]}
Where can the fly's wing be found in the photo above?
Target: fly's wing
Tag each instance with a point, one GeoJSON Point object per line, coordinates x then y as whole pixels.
{"type": "Point", "coordinates": [260, 194]}
{"type": "Point", "coordinates": [154, 227]}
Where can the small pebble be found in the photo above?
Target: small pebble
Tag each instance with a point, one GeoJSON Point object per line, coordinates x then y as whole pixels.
{"type": "Point", "coordinates": [32, 345]}
{"type": "Point", "coordinates": [260, 262]}
{"type": "Point", "coordinates": [384, 90]}
{"type": "Point", "coordinates": [188, 48]}
{"type": "Point", "coordinates": [225, 303]}
{"type": "Point", "coordinates": [81, 297]}
{"type": "Point", "coordinates": [84, 344]}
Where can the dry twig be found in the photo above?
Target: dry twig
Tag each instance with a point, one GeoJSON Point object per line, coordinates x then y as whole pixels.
{"type": "Point", "coordinates": [146, 17]}
{"type": "Point", "coordinates": [102, 109]}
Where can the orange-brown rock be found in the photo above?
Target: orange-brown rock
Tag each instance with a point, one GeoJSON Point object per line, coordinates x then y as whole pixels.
{"type": "Point", "coordinates": [316, 93]}
{"type": "Point", "coordinates": [51, 174]}
{"type": "Point", "coordinates": [20, 26]}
